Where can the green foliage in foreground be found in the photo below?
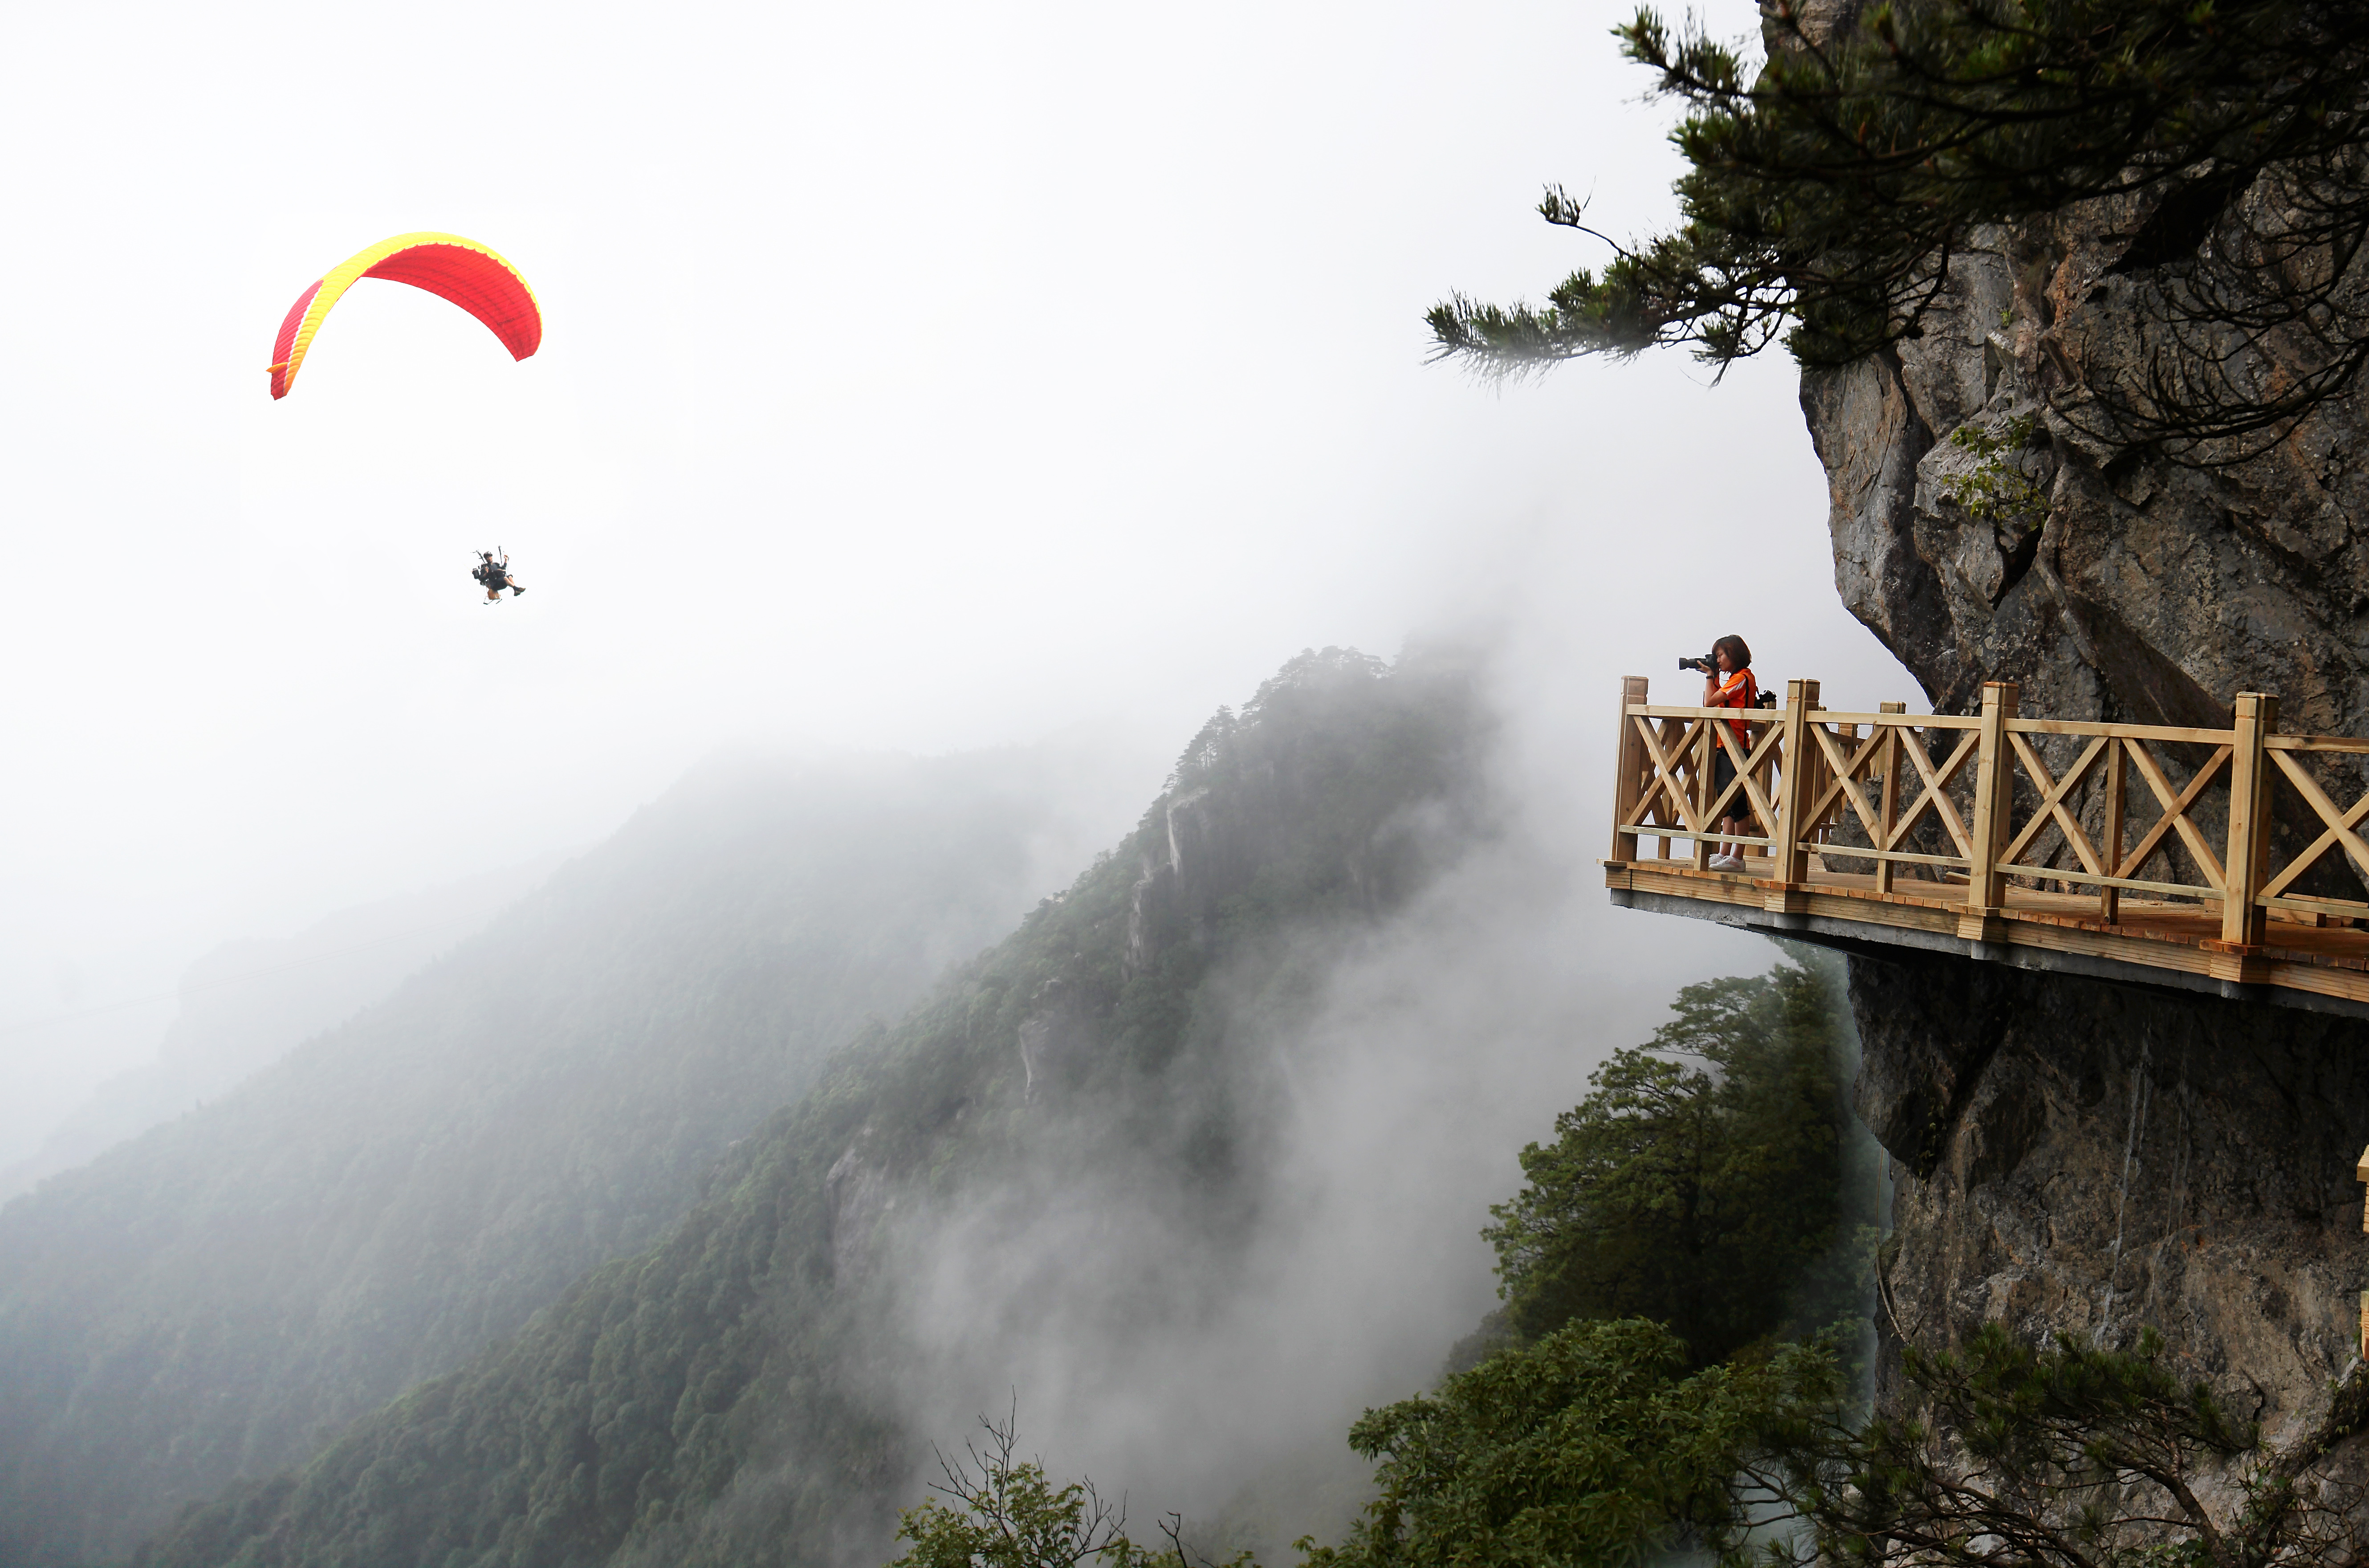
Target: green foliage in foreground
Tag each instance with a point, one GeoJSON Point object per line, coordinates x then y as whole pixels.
{"type": "Point", "coordinates": [1006, 1514]}
{"type": "Point", "coordinates": [1002, 1512]}
{"type": "Point", "coordinates": [1590, 1448]}
{"type": "Point", "coordinates": [1714, 1181]}
{"type": "Point", "coordinates": [1707, 1204]}
{"type": "Point", "coordinates": [1594, 1448]}
{"type": "Point", "coordinates": [2064, 1456]}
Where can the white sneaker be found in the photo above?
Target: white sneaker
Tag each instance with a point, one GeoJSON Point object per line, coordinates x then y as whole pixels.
{"type": "Point", "coordinates": [1727, 863]}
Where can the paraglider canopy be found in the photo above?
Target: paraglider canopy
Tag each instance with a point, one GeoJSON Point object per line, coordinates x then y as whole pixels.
{"type": "Point", "coordinates": [470, 275]}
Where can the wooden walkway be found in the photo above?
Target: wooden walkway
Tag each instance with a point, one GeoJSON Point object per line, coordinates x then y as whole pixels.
{"type": "Point", "coordinates": [2213, 860]}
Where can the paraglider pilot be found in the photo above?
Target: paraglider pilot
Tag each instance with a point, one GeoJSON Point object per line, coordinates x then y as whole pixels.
{"type": "Point", "coordinates": [494, 576]}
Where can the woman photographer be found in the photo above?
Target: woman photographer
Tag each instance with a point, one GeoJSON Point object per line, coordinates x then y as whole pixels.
{"type": "Point", "coordinates": [1729, 684]}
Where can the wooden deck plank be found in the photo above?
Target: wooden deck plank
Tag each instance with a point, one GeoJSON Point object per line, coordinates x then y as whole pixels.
{"type": "Point", "coordinates": [2330, 962]}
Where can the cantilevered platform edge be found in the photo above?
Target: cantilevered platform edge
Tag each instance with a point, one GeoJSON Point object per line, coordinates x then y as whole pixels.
{"type": "Point", "coordinates": [1868, 926]}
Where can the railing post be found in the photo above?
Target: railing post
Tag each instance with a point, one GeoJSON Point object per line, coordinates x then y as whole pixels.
{"type": "Point", "coordinates": [2250, 819]}
{"type": "Point", "coordinates": [1820, 828]}
{"type": "Point", "coordinates": [1671, 729]}
{"type": "Point", "coordinates": [1993, 797]}
{"type": "Point", "coordinates": [1787, 858]}
{"type": "Point", "coordinates": [1889, 762]}
{"type": "Point", "coordinates": [2110, 846]}
{"type": "Point", "coordinates": [1628, 780]}
{"type": "Point", "coordinates": [1704, 744]}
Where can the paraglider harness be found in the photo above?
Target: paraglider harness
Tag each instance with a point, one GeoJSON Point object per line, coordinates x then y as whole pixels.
{"type": "Point", "coordinates": [494, 576]}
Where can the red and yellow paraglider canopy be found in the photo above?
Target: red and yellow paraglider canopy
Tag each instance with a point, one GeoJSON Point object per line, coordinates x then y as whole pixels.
{"type": "Point", "coordinates": [471, 275]}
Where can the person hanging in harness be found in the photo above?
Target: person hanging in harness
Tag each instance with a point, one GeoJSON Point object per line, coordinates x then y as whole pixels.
{"type": "Point", "coordinates": [1728, 683]}
{"type": "Point", "coordinates": [494, 576]}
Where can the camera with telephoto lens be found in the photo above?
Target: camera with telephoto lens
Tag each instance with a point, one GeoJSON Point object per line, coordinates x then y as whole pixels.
{"type": "Point", "coordinates": [1708, 664]}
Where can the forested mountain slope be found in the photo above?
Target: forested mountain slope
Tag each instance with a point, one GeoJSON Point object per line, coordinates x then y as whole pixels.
{"type": "Point", "coordinates": [738, 1393]}
{"type": "Point", "coordinates": [247, 1003]}
{"type": "Point", "coordinates": [214, 1297]}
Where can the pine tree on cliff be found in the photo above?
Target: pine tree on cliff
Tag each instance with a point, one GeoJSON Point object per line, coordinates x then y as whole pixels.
{"type": "Point", "coordinates": [1714, 1181]}
{"type": "Point", "coordinates": [2227, 144]}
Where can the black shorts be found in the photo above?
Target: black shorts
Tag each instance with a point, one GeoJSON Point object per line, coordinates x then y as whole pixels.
{"type": "Point", "coordinates": [1723, 774]}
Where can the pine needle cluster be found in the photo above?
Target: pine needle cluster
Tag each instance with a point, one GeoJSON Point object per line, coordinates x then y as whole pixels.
{"type": "Point", "coordinates": [1828, 192]}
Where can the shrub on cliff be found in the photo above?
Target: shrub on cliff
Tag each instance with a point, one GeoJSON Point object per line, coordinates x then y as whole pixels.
{"type": "Point", "coordinates": [1596, 1446]}
{"type": "Point", "coordinates": [1712, 1182]}
{"type": "Point", "coordinates": [1593, 1446]}
{"type": "Point", "coordinates": [2058, 1456]}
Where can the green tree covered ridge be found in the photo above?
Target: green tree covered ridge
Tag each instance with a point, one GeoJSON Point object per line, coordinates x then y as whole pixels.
{"type": "Point", "coordinates": [220, 1295]}
{"type": "Point", "coordinates": [732, 1359]}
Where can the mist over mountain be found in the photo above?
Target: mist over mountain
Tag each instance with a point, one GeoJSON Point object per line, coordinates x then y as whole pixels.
{"type": "Point", "coordinates": [246, 1003]}
{"type": "Point", "coordinates": [1190, 1165]}
{"type": "Point", "coordinates": [213, 1298]}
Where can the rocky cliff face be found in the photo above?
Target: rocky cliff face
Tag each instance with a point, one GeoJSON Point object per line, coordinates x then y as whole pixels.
{"type": "Point", "coordinates": [2071, 1156]}
{"type": "Point", "coordinates": [2111, 582]}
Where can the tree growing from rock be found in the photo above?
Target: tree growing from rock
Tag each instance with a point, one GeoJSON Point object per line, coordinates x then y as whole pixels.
{"type": "Point", "coordinates": [1597, 1445]}
{"type": "Point", "coordinates": [2063, 1456]}
{"type": "Point", "coordinates": [1828, 193]}
{"type": "Point", "coordinates": [1714, 1181]}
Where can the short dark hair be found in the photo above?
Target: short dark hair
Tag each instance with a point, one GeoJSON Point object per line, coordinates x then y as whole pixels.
{"type": "Point", "coordinates": [1737, 653]}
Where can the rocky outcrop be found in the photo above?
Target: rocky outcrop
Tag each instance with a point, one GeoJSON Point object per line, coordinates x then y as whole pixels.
{"type": "Point", "coordinates": [2119, 584]}
{"type": "Point", "coordinates": [859, 1194]}
{"type": "Point", "coordinates": [2070, 1156]}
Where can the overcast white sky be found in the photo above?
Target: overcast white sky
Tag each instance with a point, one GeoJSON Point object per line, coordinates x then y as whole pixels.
{"type": "Point", "coordinates": [915, 376]}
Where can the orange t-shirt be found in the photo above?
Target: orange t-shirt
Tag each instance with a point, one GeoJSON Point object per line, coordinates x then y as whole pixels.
{"type": "Point", "coordinates": [1738, 690]}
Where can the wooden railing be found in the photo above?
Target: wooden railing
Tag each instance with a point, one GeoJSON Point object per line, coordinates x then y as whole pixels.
{"type": "Point", "coordinates": [1964, 806]}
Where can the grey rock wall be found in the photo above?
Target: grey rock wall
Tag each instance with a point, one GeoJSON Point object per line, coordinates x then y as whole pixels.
{"type": "Point", "coordinates": [2136, 588]}
{"type": "Point", "coordinates": [2072, 1156]}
